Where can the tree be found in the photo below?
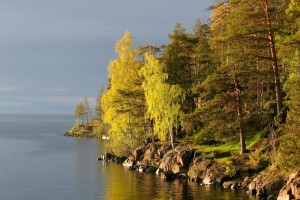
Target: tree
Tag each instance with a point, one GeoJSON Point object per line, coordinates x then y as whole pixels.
{"type": "Point", "coordinates": [87, 109]}
{"type": "Point", "coordinates": [243, 35]}
{"type": "Point", "coordinates": [123, 104]}
{"type": "Point", "coordinates": [98, 109]}
{"type": "Point", "coordinates": [79, 113]}
{"type": "Point", "coordinates": [289, 55]}
{"type": "Point", "coordinates": [163, 100]}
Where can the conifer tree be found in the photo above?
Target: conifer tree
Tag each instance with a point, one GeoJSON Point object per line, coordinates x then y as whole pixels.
{"type": "Point", "coordinates": [290, 57]}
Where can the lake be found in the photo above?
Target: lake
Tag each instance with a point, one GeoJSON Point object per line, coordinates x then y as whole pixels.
{"type": "Point", "coordinates": [36, 163]}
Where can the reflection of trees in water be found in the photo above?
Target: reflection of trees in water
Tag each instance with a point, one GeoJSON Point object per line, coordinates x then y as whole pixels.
{"type": "Point", "coordinates": [124, 184]}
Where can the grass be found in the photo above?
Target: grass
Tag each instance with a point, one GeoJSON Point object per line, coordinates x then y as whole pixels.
{"type": "Point", "coordinates": [228, 152]}
{"type": "Point", "coordinates": [230, 146]}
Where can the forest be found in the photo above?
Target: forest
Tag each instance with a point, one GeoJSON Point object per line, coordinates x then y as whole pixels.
{"type": "Point", "coordinates": [232, 83]}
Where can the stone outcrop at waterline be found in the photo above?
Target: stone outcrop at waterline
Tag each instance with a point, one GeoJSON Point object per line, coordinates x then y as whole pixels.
{"type": "Point", "coordinates": [180, 162]}
{"type": "Point", "coordinates": [184, 163]}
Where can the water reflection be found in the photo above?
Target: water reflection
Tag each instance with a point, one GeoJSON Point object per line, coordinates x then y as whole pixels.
{"type": "Point", "coordinates": [123, 184]}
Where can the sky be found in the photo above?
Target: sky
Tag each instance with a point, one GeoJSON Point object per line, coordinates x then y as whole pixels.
{"type": "Point", "coordinates": [55, 52]}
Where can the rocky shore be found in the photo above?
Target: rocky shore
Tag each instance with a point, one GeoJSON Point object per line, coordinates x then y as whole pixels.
{"type": "Point", "coordinates": [84, 131]}
{"type": "Point", "coordinates": [83, 135]}
{"type": "Point", "coordinates": [185, 163]}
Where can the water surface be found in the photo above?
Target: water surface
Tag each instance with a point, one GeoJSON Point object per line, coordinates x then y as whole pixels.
{"type": "Point", "coordinates": [36, 163]}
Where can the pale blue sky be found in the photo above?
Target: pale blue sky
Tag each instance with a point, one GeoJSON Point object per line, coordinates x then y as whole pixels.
{"type": "Point", "coordinates": [55, 52]}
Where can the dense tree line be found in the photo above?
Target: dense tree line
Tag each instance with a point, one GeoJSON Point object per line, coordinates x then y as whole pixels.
{"type": "Point", "coordinates": [233, 77]}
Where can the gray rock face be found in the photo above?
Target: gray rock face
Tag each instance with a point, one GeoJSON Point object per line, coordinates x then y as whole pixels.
{"type": "Point", "coordinates": [291, 190]}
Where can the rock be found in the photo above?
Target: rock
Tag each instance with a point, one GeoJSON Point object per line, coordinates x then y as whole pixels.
{"type": "Point", "coordinates": [271, 186]}
{"type": "Point", "coordinates": [182, 176]}
{"type": "Point", "coordinates": [106, 156]}
{"type": "Point", "coordinates": [129, 162]}
{"type": "Point", "coordinates": [247, 180]}
{"type": "Point", "coordinates": [234, 186]}
{"type": "Point", "coordinates": [265, 186]}
{"type": "Point", "coordinates": [230, 184]}
{"type": "Point", "coordinates": [142, 163]}
{"type": "Point", "coordinates": [151, 169]}
{"type": "Point", "coordinates": [138, 153]}
{"type": "Point", "coordinates": [150, 152]}
{"type": "Point", "coordinates": [163, 149]}
{"type": "Point", "coordinates": [291, 189]}
{"type": "Point", "coordinates": [118, 160]}
{"type": "Point", "coordinates": [197, 180]}
{"type": "Point", "coordinates": [177, 160]}
{"type": "Point", "coordinates": [285, 193]}
{"type": "Point", "coordinates": [168, 175]}
{"type": "Point", "coordinates": [141, 168]}
{"type": "Point", "coordinates": [255, 184]}
{"type": "Point", "coordinates": [245, 183]}
{"type": "Point", "coordinates": [215, 175]}
{"type": "Point", "coordinates": [198, 168]}
{"type": "Point", "coordinates": [132, 168]}
{"type": "Point", "coordinates": [159, 171]}
{"type": "Point", "coordinates": [208, 171]}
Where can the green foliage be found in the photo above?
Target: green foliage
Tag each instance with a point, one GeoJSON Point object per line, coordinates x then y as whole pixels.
{"type": "Point", "coordinates": [289, 151]}
{"type": "Point", "coordinates": [163, 100]}
{"type": "Point", "coordinates": [231, 171]}
{"type": "Point", "coordinates": [258, 158]}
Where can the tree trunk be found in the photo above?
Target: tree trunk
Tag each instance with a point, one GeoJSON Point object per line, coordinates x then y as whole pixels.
{"type": "Point", "coordinates": [171, 134]}
{"type": "Point", "coordinates": [272, 48]}
{"type": "Point", "coordinates": [240, 116]}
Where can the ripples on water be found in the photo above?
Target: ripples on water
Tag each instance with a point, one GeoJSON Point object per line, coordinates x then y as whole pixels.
{"type": "Point", "coordinates": [36, 163]}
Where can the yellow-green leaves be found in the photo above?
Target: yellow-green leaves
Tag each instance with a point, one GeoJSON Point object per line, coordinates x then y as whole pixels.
{"type": "Point", "coordinates": [123, 104]}
{"type": "Point", "coordinates": [163, 100]}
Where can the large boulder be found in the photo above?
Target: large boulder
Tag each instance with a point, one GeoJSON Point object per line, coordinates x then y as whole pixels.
{"type": "Point", "coordinates": [150, 152]}
{"type": "Point", "coordinates": [177, 160]}
{"type": "Point", "coordinates": [163, 149]}
{"type": "Point", "coordinates": [198, 168]}
{"type": "Point", "coordinates": [256, 183]}
{"type": "Point", "coordinates": [265, 186]}
{"type": "Point", "coordinates": [291, 190]}
{"type": "Point", "coordinates": [215, 175]}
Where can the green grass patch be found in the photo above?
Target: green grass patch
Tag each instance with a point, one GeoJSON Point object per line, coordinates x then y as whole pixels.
{"type": "Point", "coordinates": [226, 149]}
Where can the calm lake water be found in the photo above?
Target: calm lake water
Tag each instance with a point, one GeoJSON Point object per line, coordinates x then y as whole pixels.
{"type": "Point", "coordinates": [36, 163]}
